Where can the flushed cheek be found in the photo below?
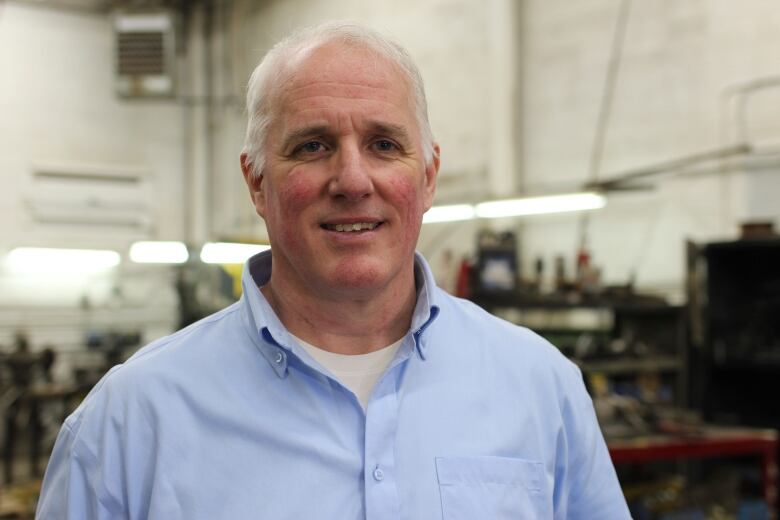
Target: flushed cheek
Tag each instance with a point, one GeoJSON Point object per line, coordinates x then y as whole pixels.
{"type": "Point", "coordinates": [297, 192]}
{"type": "Point", "coordinates": [290, 202]}
{"type": "Point", "coordinates": [408, 199]}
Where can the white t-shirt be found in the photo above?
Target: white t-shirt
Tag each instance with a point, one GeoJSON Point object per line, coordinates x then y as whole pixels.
{"type": "Point", "coordinates": [358, 372]}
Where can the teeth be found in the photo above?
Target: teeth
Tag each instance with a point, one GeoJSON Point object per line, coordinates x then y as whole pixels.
{"type": "Point", "coordinates": [358, 226]}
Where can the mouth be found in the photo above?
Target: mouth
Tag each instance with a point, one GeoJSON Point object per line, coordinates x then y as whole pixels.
{"type": "Point", "coordinates": [351, 227]}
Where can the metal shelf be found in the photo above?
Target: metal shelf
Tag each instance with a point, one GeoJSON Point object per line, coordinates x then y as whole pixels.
{"type": "Point", "coordinates": [630, 366]}
{"type": "Point", "coordinates": [526, 301]}
{"type": "Point", "coordinates": [660, 326]}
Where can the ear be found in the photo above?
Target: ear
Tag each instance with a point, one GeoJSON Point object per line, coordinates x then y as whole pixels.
{"type": "Point", "coordinates": [431, 173]}
{"type": "Point", "coordinates": [255, 185]}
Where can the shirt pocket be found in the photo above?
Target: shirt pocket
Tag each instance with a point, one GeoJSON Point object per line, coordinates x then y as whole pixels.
{"type": "Point", "coordinates": [498, 488]}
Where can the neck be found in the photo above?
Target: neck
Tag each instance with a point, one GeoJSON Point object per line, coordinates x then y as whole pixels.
{"type": "Point", "coordinates": [344, 323]}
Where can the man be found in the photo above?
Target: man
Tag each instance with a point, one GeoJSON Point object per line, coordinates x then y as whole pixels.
{"type": "Point", "coordinates": [344, 384]}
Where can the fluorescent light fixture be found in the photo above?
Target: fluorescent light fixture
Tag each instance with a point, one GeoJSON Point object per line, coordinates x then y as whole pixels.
{"type": "Point", "coordinates": [158, 252]}
{"type": "Point", "coordinates": [451, 213]}
{"type": "Point", "coordinates": [44, 260]}
{"type": "Point", "coordinates": [540, 205]}
{"type": "Point", "coordinates": [516, 207]}
{"type": "Point", "coordinates": [229, 252]}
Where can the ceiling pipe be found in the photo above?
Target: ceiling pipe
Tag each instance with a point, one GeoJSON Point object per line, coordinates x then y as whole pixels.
{"type": "Point", "coordinates": [625, 180]}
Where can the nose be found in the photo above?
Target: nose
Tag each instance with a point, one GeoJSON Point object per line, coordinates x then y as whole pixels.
{"type": "Point", "coordinates": [351, 179]}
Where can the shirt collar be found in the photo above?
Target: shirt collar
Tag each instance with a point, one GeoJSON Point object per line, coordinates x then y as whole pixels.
{"type": "Point", "coordinates": [273, 336]}
{"type": "Point", "coordinates": [426, 309]}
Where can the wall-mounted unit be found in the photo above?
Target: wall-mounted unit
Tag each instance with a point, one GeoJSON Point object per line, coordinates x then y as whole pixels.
{"type": "Point", "coordinates": [72, 201]}
{"type": "Point", "coordinates": [145, 54]}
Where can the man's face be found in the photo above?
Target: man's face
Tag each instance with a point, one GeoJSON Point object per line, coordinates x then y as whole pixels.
{"type": "Point", "coordinates": [345, 184]}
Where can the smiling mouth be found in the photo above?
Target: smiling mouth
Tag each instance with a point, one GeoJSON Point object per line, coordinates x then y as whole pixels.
{"type": "Point", "coordinates": [351, 228]}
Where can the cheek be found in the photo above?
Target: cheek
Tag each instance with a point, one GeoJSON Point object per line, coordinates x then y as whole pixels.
{"type": "Point", "coordinates": [408, 198]}
{"type": "Point", "coordinates": [286, 203]}
{"type": "Point", "coordinates": [289, 198]}
{"type": "Point", "coordinates": [296, 194]}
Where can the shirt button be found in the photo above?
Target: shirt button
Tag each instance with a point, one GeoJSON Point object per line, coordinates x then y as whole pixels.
{"type": "Point", "coordinates": [278, 358]}
{"type": "Point", "coordinates": [379, 475]}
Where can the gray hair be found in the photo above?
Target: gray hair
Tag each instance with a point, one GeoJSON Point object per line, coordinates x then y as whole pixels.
{"type": "Point", "coordinates": [267, 79]}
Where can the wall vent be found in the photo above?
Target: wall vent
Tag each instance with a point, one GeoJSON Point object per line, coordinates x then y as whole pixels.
{"type": "Point", "coordinates": [145, 54]}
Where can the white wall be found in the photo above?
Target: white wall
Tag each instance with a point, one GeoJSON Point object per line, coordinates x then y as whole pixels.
{"type": "Point", "coordinates": [59, 111]}
{"type": "Point", "coordinates": [678, 59]}
{"type": "Point", "coordinates": [59, 108]}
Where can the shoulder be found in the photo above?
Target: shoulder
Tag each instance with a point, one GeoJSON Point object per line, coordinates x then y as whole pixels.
{"type": "Point", "coordinates": [194, 335]}
{"type": "Point", "coordinates": [468, 340]}
{"type": "Point", "coordinates": [475, 326]}
{"type": "Point", "coordinates": [154, 371]}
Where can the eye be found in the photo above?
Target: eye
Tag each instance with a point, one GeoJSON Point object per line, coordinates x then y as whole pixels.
{"type": "Point", "coordinates": [385, 145]}
{"type": "Point", "coordinates": [311, 147]}
{"type": "Point", "coordinates": [309, 150]}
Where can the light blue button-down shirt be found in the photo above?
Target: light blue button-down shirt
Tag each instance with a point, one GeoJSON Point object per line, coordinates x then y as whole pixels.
{"type": "Point", "coordinates": [231, 419]}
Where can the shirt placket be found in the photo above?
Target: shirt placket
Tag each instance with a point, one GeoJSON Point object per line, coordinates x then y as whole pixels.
{"type": "Point", "coordinates": [380, 474]}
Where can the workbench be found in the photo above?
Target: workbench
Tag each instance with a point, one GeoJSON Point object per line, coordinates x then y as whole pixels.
{"type": "Point", "coordinates": [709, 442]}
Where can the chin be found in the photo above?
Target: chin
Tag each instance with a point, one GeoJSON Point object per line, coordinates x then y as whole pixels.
{"type": "Point", "coordinates": [360, 274]}
{"type": "Point", "coordinates": [358, 278]}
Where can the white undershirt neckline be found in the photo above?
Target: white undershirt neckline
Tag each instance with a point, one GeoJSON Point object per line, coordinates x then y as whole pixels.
{"type": "Point", "coordinates": [358, 372]}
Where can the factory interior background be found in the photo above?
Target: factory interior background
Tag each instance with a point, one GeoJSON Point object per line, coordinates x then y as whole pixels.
{"type": "Point", "coordinates": [666, 292]}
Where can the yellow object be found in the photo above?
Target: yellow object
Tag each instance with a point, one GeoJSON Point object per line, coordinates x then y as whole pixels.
{"type": "Point", "coordinates": [234, 271]}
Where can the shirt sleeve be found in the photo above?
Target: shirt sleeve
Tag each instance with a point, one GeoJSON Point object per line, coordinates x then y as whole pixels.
{"type": "Point", "coordinates": [586, 483]}
{"type": "Point", "coordinates": [72, 487]}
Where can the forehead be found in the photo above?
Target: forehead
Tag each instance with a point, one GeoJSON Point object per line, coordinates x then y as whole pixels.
{"type": "Point", "coordinates": [344, 76]}
{"type": "Point", "coordinates": [334, 60]}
